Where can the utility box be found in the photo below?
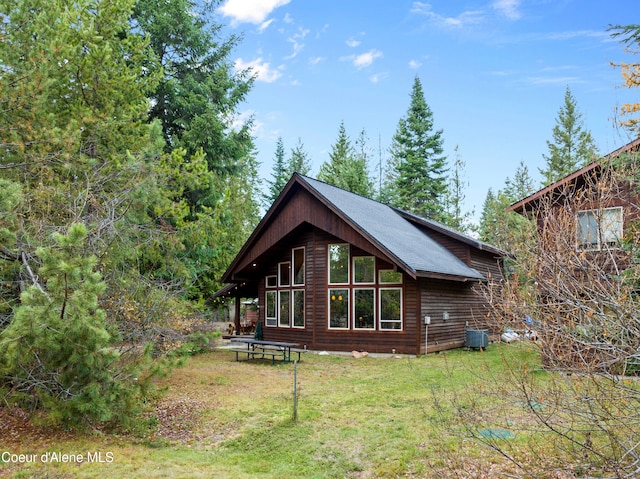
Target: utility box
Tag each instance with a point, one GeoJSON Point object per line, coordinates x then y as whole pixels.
{"type": "Point", "coordinates": [477, 338]}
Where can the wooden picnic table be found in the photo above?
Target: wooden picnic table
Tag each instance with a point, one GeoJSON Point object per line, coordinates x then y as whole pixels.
{"type": "Point", "coordinates": [262, 348]}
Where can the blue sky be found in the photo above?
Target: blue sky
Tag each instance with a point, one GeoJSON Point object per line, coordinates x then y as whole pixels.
{"type": "Point", "coordinates": [494, 73]}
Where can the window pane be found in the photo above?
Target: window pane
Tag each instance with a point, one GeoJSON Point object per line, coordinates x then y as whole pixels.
{"type": "Point", "coordinates": [587, 229]}
{"type": "Point", "coordinates": [271, 308]}
{"type": "Point", "coordinates": [391, 308]}
{"type": "Point", "coordinates": [390, 277]}
{"type": "Point", "coordinates": [364, 269]}
{"type": "Point", "coordinates": [364, 308]}
{"type": "Point", "coordinates": [284, 274]}
{"type": "Point", "coordinates": [298, 308]}
{"type": "Point", "coordinates": [338, 263]}
{"type": "Point", "coordinates": [611, 225]}
{"type": "Point", "coordinates": [298, 266]}
{"type": "Point", "coordinates": [272, 281]}
{"type": "Point", "coordinates": [284, 318]}
{"type": "Point", "coordinates": [338, 308]}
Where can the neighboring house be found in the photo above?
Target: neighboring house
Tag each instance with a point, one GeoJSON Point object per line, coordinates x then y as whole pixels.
{"type": "Point", "coordinates": [582, 222]}
{"type": "Point", "coordinates": [335, 271]}
{"type": "Point", "coordinates": [592, 203]}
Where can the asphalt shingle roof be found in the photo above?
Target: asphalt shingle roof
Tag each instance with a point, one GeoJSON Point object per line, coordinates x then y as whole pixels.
{"type": "Point", "coordinates": [402, 239]}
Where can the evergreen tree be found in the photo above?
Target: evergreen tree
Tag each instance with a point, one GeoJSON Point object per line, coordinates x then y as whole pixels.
{"type": "Point", "coordinates": [455, 216]}
{"type": "Point", "coordinates": [345, 168]}
{"type": "Point", "coordinates": [299, 161]}
{"type": "Point", "coordinates": [279, 175]}
{"type": "Point", "coordinates": [57, 351]}
{"type": "Point", "coordinates": [199, 92]}
{"type": "Point", "coordinates": [418, 180]}
{"type": "Point", "coordinates": [572, 146]}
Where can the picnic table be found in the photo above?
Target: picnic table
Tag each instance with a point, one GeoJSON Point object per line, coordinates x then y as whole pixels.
{"type": "Point", "coordinates": [262, 349]}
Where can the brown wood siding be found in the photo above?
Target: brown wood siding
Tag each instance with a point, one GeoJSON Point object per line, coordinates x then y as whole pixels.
{"type": "Point", "coordinates": [465, 306]}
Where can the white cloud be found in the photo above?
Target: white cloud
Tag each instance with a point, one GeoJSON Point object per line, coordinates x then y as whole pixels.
{"type": "Point", "coordinates": [414, 64]}
{"type": "Point", "coordinates": [250, 11]}
{"type": "Point", "coordinates": [264, 25]}
{"type": "Point", "coordinates": [468, 17]}
{"type": "Point", "coordinates": [261, 69]}
{"type": "Point", "coordinates": [364, 59]}
{"type": "Point", "coordinates": [508, 8]}
{"type": "Point", "coordinates": [288, 18]}
{"type": "Point", "coordinates": [315, 60]}
{"type": "Point", "coordinates": [375, 78]}
{"type": "Point", "coordinates": [352, 42]}
{"type": "Point", "coordinates": [296, 40]}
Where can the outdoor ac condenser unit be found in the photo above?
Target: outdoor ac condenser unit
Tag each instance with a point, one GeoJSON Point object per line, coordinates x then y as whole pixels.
{"type": "Point", "coordinates": [477, 338]}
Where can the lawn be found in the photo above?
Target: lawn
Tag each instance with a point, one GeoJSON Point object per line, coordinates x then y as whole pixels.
{"type": "Point", "coordinates": [356, 418]}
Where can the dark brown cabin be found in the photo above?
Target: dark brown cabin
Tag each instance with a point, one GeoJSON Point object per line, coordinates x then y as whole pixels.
{"type": "Point", "coordinates": [335, 271]}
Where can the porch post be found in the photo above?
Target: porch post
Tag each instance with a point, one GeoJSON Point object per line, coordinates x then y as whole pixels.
{"type": "Point", "coordinates": [237, 311]}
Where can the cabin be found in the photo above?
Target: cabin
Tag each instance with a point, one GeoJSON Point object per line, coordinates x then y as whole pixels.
{"type": "Point", "coordinates": [335, 271]}
{"type": "Point", "coordinates": [590, 210]}
{"type": "Point", "coordinates": [584, 222]}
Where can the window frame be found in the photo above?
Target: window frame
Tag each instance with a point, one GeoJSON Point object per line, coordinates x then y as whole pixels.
{"type": "Point", "coordinates": [281, 284]}
{"type": "Point", "coordinates": [293, 309]}
{"type": "Point", "coordinates": [373, 309]}
{"type": "Point", "coordinates": [288, 305]}
{"type": "Point", "coordinates": [355, 276]}
{"type": "Point", "coordinates": [348, 261]}
{"type": "Point", "coordinates": [275, 281]}
{"type": "Point", "coordinates": [293, 266]}
{"type": "Point", "coordinates": [380, 305]}
{"type": "Point", "coordinates": [382, 271]}
{"type": "Point", "coordinates": [347, 326]}
{"type": "Point", "coordinates": [273, 319]}
{"type": "Point", "coordinates": [598, 215]}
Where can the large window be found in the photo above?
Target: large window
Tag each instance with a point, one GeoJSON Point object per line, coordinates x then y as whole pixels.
{"type": "Point", "coordinates": [298, 266]}
{"type": "Point", "coordinates": [271, 308]}
{"type": "Point", "coordinates": [599, 228]}
{"type": "Point", "coordinates": [364, 269]}
{"type": "Point", "coordinates": [364, 308]}
{"type": "Point", "coordinates": [298, 308]}
{"type": "Point", "coordinates": [390, 308]}
{"type": "Point", "coordinates": [339, 308]}
{"type": "Point", "coordinates": [360, 297]}
{"type": "Point", "coordinates": [284, 310]}
{"type": "Point", "coordinates": [284, 295]}
{"type": "Point", "coordinates": [339, 264]}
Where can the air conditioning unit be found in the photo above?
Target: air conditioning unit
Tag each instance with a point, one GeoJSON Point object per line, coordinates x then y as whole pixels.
{"type": "Point", "coordinates": [477, 338]}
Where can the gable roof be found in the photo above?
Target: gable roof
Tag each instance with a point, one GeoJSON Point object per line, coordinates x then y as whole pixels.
{"type": "Point", "coordinates": [392, 231]}
{"type": "Point", "coordinates": [529, 203]}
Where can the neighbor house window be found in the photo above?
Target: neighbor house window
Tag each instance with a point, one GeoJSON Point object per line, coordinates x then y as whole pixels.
{"type": "Point", "coordinates": [364, 308]}
{"type": "Point", "coordinates": [298, 308]}
{"type": "Point", "coordinates": [364, 269]}
{"type": "Point", "coordinates": [298, 266]}
{"type": "Point", "coordinates": [599, 228]}
{"type": "Point", "coordinates": [271, 308]}
{"type": "Point", "coordinates": [390, 308]}
{"type": "Point", "coordinates": [339, 308]}
{"type": "Point", "coordinates": [338, 264]}
{"type": "Point", "coordinates": [284, 308]}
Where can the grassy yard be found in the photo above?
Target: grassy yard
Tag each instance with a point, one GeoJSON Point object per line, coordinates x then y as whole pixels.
{"type": "Point", "coordinates": [357, 418]}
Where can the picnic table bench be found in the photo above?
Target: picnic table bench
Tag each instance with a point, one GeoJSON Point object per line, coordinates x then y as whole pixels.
{"type": "Point", "coordinates": [257, 348]}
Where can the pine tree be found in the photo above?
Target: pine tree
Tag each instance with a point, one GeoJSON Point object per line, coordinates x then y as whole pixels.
{"type": "Point", "coordinates": [455, 216]}
{"type": "Point", "coordinates": [345, 168]}
{"type": "Point", "coordinates": [572, 146]}
{"type": "Point", "coordinates": [418, 180]}
{"type": "Point", "coordinates": [57, 352]}
{"type": "Point", "coordinates": [299, 161]}
{"type": "Point", "coordinates": [279, 175]}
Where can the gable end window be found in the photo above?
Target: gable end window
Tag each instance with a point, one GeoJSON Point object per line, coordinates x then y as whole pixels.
{"type": "Point", "coordinates": [598, 229]}
{"type": "Point", "coordinates": [284, 298]}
